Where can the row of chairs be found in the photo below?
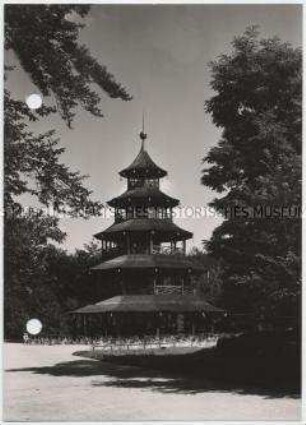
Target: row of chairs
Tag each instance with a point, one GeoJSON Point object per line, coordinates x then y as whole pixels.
{"type": "Point", "coordinates": [151, 343]}
{"type": "Point", "coordinates": [127, 343]}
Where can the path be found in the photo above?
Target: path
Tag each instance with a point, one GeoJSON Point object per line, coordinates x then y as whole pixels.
{"type": "Point", "coordinates": [48, 383]}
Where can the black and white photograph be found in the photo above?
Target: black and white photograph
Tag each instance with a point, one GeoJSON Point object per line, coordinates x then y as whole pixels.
{"type": "Point", "coordinates": [152, 212]}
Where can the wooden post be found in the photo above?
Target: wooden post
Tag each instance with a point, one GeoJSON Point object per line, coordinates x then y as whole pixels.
{"type": "Point", "coordinates": [84, 324]}
{"type": "Point", "coordinates": [192, 325]}
{"type": "Point", "coordinates": [128, 242]}
{"type": "Point", "coordinates": [157, 325]}
{"type": "Point", "coordinates": [151, 244]}
{"type": "Point", "coordinates": [121, 283]}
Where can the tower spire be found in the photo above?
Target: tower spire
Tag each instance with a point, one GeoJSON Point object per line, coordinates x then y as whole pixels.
{"type": "Point", "coordinates": [142, 134]}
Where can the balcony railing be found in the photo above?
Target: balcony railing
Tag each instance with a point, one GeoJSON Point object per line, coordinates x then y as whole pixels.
{"type": "Point", "coordinates": [158, 249]}
{"type": "Point", "coordinates": [172, 289]}
{"type": "Point", "coordinates": [112, 252]}
{"type": "Point", "coordinates": [142, 213]}
{"type": "Point", "coordinates": [141, 249]}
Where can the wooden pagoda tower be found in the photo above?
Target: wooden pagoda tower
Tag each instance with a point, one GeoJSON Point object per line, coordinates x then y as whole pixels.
{"type": "Point", "coordinates": [156, 281]}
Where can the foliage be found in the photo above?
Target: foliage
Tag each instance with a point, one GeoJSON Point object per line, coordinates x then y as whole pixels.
{"type": "Point", "coordinates": [27, 289]}
{"type": "Point", "coordinates": [32, 166]}
{"type": "Point", "coordinates": [34, 286]}
{"type": "Point", "coordinates": [45, 39]}
{"type": "Point", "coordinates": [257, 165]}
{"type": "Point", "coordinates": [41, 280]}
{"type": "Point", "coordinates": [208, 283]}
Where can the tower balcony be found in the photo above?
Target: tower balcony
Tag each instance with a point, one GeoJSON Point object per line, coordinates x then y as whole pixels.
{"type": "Point", "coordinates": [112, 250]}
{"type": "Point", "coordinates": [168, 250]}
{"type": "Point", "coordinates": [173, 289]}
{"type": "Point", "coordinates": [109, 251]}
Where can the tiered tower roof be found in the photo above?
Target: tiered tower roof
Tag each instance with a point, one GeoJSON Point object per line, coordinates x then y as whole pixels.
{"type": "Point", "coordinates": [145, 196]}
{"type": "Point", "coordinates": [151, 303]}
{"type": "Point", "coordinates": [163, 228]}
{"type": "Point", "coordinates": [143, 165]}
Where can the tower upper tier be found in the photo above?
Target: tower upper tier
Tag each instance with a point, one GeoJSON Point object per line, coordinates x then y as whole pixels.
{"type": "Point", "coordinates": [143, 213]}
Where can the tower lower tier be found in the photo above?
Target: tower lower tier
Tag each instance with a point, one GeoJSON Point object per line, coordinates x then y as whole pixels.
{"type": "Point", "coordinates": [146, 314]}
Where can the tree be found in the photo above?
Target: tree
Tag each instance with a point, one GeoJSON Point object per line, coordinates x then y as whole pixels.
{"type": "Point", "coordinates": [44, 39]}
{"type": "Point", "coordinates": [256, 167]}
{"type": "Point", "coordinates": [42, 280]}
{"type": "Point", "coordinates": [33, 166]}
{"type": "Point", "coordinates": [209, 283]}
{"type": "Point", "coordinates": [27, 289]}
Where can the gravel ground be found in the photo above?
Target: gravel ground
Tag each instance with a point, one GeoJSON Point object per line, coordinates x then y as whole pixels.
{"type": "Point", "coordinates": [48, 383]}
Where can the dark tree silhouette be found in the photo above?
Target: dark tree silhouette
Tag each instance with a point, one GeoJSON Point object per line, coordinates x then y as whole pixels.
{"type": "Point", "coordinates": [45, 39]}
{"type": "Point", "coordinates": [257, 165]}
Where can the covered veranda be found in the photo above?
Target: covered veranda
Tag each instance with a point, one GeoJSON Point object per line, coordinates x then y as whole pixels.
{"type": "Point", "coordinates": [142, 315]}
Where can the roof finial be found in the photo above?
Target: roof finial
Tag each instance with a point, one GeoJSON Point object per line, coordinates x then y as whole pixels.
{"type": "Point", "coordinates": [142, 134]}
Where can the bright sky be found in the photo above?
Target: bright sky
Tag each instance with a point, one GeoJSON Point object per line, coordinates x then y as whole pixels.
{"type": "Point", "coordinates": [160, 53]}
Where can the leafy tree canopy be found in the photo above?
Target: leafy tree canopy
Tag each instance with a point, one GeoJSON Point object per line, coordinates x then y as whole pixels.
{"type": "Point", "coordinates": [257, 164]}
{"type": "Point", "coordinates": [33, 165]}
{"type": "Point", "coordinates": [45, 39]}
{"type": "Point", "coordinates": [40, 279]}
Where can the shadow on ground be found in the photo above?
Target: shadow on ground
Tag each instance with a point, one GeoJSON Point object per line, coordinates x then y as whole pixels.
{"type": "Point", "coordinates": [109, 374]}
